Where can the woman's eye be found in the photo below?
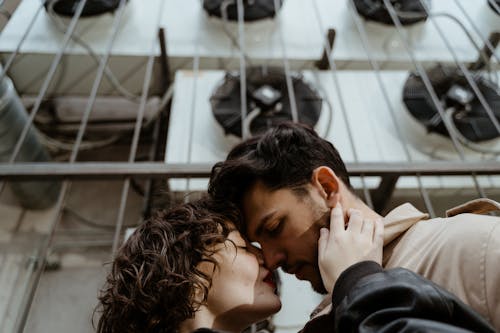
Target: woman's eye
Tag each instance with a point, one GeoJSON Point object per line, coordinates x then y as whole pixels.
{"type": "Point", "coordinates": [256, 245]}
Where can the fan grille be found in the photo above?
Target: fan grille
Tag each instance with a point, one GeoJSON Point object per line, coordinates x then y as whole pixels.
{"type": "Point", "coordinates": [91, 8]}
{"type": "Point", "coordinates": [497, 2]}
{"type": "Point", "coordinates": [470, 118]}
{"type": "Point", "coordinates": [409, 11]}
{"type": "Point", "coordinates": [226, 101]}
{"type": "Point", "coordinates": [253, 9]}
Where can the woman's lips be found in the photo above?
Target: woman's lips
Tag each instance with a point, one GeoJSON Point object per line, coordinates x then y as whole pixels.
{"type": "Point", "coordinates": [269, 279]}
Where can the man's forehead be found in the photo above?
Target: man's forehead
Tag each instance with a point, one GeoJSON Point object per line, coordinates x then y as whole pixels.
{"type": "Point", "coordinates": [257, 207]}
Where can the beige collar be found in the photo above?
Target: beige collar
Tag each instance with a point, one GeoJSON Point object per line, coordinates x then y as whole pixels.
{"type": "Point", "coordinates": [401, 219]}
{"type": "Point", "coordinates": [478, 206]}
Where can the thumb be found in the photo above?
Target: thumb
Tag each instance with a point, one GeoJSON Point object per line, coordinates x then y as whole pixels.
{"type": "Point", "coordinates": [322, 241]}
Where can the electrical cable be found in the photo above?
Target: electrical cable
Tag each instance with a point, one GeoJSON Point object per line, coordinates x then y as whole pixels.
{"type": "Point", "coordinates": [77, 217]}
{"type": "Point", "coordinates": [463, 140]}
{"type": "Point", "coordinates": [248, 120]}
{"type": "Point", "coordinates": [167, 96]}
{"type": "Point", "coordinates": [56, 145]}
{"type": "Point", "coordinates": [326, 99]}
{"type": "Point", "coordinates": [78, 39]}
{"type": "Point", "coordinates": [5, 13]}
{"type": "Point", "coordinates": [481, 52]}
{"type": "Point", "coordinates": [137, 187]}
{"type": "Point", "coordinates": [225, 21]}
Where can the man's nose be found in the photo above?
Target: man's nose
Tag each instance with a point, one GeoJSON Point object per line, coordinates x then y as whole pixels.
{"type": "Point", "coordinates": [273, 257]}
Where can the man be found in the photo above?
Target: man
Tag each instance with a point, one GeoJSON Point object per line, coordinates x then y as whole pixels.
{"type": "Point", "coordinates": [287, 181]}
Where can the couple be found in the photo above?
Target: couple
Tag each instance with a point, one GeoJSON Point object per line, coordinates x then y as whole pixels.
{"type": "Point", "coordinates": [285, 183]}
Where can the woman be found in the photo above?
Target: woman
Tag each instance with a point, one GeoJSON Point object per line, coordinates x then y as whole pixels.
{"type": "Point", "coordinates": [185, 270]}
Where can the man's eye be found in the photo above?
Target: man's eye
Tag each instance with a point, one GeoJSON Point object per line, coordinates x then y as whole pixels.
{"type": "Point", "coordinates": [275, 229]}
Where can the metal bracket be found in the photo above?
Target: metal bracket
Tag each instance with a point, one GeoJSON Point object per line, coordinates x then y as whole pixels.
{"type": "Point", "coordinates": [323, 63]}
{"type": "Point", "coordinates": [383, 193]}
{"type": "Point", "coordinates": [494, 39]}
{"type": "Point", "coordinates": [160, 133]}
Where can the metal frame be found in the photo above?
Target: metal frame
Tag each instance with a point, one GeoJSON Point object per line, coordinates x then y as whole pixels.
{"type": "Point", "coordinates": [120, 170]}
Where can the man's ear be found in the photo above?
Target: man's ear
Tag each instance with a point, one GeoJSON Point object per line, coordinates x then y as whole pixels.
{"type": "Point", "coordinates": [327, 182]}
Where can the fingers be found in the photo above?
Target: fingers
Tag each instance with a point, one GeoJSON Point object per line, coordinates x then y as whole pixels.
{"type": "Point", "coordinates": [337, 220]}
{"type": "Point", "coordinates": [368, 228]}
{"type": "Point", "coordinates": [378, 234]}
{"type": "Point", "coordinates": [355, 221]}
{"type": "Point", "coordinates": [322, 242]}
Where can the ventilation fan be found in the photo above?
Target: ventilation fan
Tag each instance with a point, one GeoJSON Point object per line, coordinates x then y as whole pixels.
{"type": "Point", "coordinates": [253, 9]}
{"type": "Point", "coordinates": [268, 101]}
{"type": "Point", "coordinates": [408, 11]}
{"type": "Point", "coordinates": [91, 8]}
{"type": "Point", "coordinates": [467, 115]}
{"type": "Point", "coordinates": [495, 9]}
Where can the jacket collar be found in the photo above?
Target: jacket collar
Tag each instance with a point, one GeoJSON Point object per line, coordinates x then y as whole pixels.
{"type": "Point", "coordinates": [403, 217]}
{"type": "Point", "coordinates": [399, 220]}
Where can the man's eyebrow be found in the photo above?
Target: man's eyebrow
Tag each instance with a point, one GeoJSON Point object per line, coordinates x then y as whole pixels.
{"type": "Point", "coordinates": [262, 222]}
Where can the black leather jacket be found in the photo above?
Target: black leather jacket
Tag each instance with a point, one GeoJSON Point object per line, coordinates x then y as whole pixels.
{"type": "Point", "coordinates": [367, 298]}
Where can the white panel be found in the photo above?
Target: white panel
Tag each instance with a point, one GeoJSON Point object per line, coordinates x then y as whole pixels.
{"type": "Point", "coordinates": [190, 31]}
{"type": "Point", "coordinates": [195, 136]}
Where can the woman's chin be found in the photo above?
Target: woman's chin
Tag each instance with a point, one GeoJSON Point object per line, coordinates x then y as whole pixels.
{"type": "Point", "coordinates": [275, 306]}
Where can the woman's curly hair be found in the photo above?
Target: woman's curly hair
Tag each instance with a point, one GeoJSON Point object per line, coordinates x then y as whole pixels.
{"type": "Point", "coordinates": [154, 277]}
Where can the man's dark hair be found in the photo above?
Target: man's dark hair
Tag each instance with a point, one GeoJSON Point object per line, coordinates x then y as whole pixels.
{"type": "Point", "coordinates": [283, 157]}
{"type": "Point", "coordinates": [154, 277]}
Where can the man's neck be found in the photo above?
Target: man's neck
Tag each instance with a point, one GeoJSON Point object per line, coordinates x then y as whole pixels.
{"type": "Point", "coordinates": [350, 200]}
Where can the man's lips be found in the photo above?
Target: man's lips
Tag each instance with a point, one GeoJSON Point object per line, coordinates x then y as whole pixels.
{"type": "Point", "coordinates": [296, 270]}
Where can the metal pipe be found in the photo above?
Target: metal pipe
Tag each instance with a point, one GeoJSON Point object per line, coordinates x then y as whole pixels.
{"type": "Point", "coordinates": [10, 61]}
{"type": "Point", "coordinates": [333, 69]}
{"type": "Point", "coordinates": [478, 32]}
{"type": "Point", "coordinates": [494, 4]}
{"type": "Point", "coordinates": [430, 89]}
{"type": "Point", "coordinates": [144, 170]}
{"type": "Point", "coordinates": [196, 72]}
{"type": "Point", "coordinates": [464, 69]}
{"type": "Point", "coordinates": [46, 83]}
{"type": "Point", "coordinates": [364, 40]}
{"type": "Point", "coordinates": [289, 83]}
{"type": "Point", "coordinates": [28, 300]}
{"type": "Point", "coordinates": [243, 75]}
{"type": "Point", "coordinates": [136, 135]}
